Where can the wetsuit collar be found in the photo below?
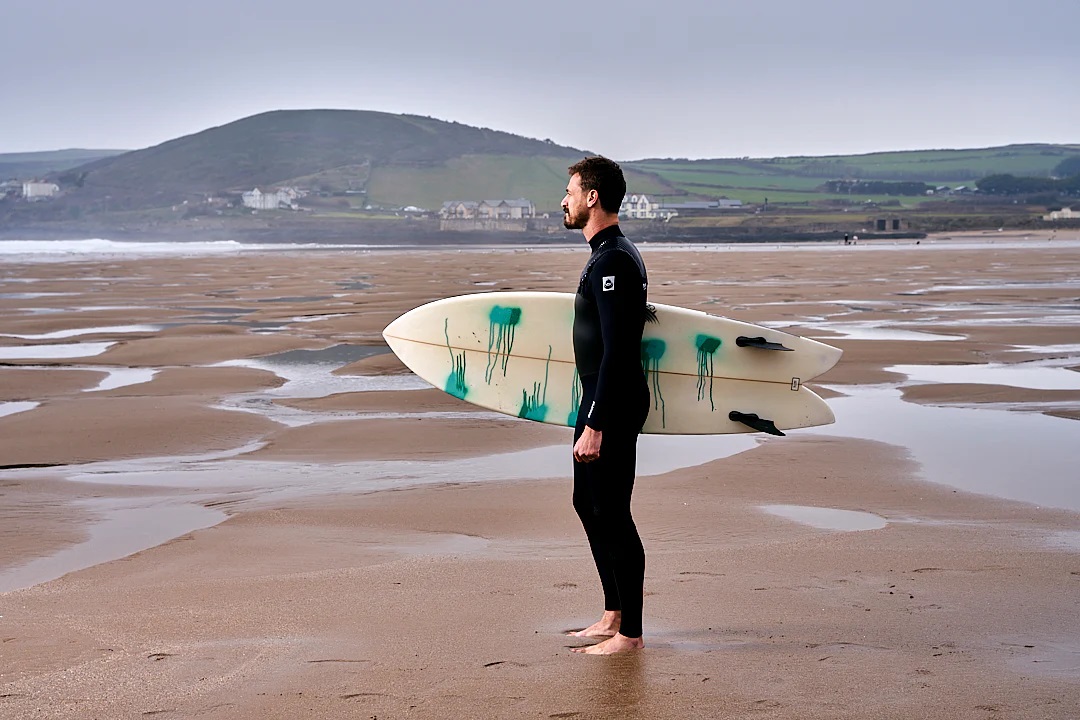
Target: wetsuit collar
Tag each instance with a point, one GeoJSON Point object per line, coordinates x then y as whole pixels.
{"type": "Point", "coordinates": [606, 234]}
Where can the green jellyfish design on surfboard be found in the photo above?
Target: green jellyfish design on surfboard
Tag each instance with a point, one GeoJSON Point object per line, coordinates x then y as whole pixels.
{"type": "Point", "coordinates": [512, 352]}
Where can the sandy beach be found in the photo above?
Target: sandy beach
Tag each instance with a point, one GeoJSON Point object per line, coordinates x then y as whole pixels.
{"type": "Point", "coordinates": [220, 497]}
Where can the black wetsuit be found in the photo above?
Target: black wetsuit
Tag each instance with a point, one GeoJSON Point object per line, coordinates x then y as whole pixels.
{"type": "Point", "coordinates": [609, 315]}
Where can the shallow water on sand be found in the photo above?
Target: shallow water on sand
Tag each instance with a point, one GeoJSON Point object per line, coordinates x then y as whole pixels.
{"type": "Point", "coordinates": [10, 408]}
{"type": "Point", "coordinates": [658, 454]}
{"type": "Point", "coordinates": [249, 483]}
{"type": "Point", "coordinates": [61, 334]}
{"type": "Point", "coordinates": [310, 373]}
{"type": "Point", "coordinates": [1021, 456]}
{"type": "Point", "coordinates": [54, 352]}
{"type": "Point", "coordinates": [115, 377]}
{"type": "Point", "coordinates": [253, 484]}
{"type": "Point", "coordinates": [828, 518]}
{"type": "Point", "coordinates": [123, 527]}
{"type": "Point", "coordinates": [123, 377]}
{"type": "Point", "coordinates": [1028, 457]}
{"type": "Point", "coordinates": [1039, 375]}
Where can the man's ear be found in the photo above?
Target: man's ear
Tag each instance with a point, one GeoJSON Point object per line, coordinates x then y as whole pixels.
{"type": "Point", "coordinates": [592, 198]}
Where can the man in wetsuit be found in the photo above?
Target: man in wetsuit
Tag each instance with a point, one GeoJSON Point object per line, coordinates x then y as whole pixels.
{"type": "Point", "coordinates": [609, 315]}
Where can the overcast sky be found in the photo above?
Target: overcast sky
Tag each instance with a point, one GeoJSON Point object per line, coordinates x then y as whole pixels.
{"type": "Point", "coordinates": [629, 79]}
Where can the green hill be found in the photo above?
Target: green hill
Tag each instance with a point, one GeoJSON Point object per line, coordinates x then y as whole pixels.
{"type": "Point", "coordinates": [402, 156]}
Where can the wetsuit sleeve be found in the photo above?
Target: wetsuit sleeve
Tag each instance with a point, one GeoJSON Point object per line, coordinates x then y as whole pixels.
{"type": "Point", "coordinates": [616, 288]}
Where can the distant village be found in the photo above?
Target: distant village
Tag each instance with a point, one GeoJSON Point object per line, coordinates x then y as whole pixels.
{"type": "Point", "coordinates": [471, 214]}
{"type": "Point", "coordinates": [454, 214]}
{"type": "Point", "coordinates": [518, 214]}
{"type": "Point", "coordinates": [634, 206]}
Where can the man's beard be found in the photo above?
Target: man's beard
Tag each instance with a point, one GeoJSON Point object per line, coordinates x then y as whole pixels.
{"type": "Point", "coordinates": [571, 222]}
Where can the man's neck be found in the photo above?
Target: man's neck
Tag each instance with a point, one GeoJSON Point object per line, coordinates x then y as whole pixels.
{"type": "Point", "coordinates": [597, 224]}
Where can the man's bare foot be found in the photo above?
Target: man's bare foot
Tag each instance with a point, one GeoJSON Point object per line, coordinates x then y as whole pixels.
{"type": "Point", "coordinates": [616, 644]}
{"type": "Point", "coordinates": [605, 627]}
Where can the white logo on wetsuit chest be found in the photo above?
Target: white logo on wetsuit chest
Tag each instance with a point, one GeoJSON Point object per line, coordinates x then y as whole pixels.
{"type": "Point", "coordinates": [609, 282]}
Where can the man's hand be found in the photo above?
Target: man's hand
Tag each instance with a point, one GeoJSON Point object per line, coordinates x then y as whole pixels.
{"type": "Point", "coordinates": [587, 448]}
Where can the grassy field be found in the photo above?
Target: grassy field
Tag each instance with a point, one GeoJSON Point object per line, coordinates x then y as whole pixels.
{"type": "Point", "coordinates": [946, 165]}
{"type": "Point", "coordinates": [797, 179]}
{"type": "Point", "coordinates": [478, 177]}
{"type": "Point", "coordinates": [792, 181]}
{"type": "Point", "coordinates": [473, 177]}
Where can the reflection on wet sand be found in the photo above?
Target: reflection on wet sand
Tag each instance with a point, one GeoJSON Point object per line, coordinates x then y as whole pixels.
{"type": "Point", "coordinates": [938, 437]}
{"type": "Point", "coordinates": [54, 352]}
{"type": "Point", "coordinates": [120, 528]}
{"type": "Point", "coordinates": [828, 518]}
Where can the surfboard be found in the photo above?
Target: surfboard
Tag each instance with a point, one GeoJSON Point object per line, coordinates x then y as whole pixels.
{"type": "Point", "coordinates": [513, 352]}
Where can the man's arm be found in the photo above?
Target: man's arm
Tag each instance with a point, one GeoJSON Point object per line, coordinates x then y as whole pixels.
{"type": "Point", "coordinates": [615, 285]}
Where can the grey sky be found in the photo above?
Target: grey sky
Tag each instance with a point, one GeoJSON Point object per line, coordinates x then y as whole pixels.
{"type": "Point", "coordinates": [680, 78]}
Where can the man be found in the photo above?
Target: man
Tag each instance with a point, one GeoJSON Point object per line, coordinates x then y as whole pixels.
{"type": "Point", "coordinates": [609, 315]}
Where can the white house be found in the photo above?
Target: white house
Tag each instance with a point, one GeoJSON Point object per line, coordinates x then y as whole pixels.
{"type": "Point", "coordinates": [33, 190]}
{"type": "Point", "coordinates": [639, 207]}
{"type": "Point", "coordinates": [272, 200]}
{"type": "Point", "coordinates": [1063, 214]}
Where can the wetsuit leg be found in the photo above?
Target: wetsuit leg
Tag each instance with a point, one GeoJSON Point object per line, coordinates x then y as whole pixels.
{"type": "Point", "coordinates": [583, 504]}
{"type": "Point", "coordinates": [602, 493]}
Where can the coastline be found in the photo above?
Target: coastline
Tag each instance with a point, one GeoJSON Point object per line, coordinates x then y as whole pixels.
{"type": "Point", "coordinates": [411, 600]}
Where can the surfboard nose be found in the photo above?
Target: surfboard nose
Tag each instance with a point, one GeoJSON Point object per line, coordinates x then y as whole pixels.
{"type": "Point", "coordinates": [393, 330]}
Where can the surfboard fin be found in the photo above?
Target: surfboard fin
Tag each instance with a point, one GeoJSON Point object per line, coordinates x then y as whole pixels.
{"type": "Point", "coordinates": [755, 422]}
{"type": "Point", "coordinates": [760, 343]}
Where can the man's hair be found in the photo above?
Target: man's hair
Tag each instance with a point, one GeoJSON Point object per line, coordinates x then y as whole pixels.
{"type": "Point", "coordinates": [605, 177]}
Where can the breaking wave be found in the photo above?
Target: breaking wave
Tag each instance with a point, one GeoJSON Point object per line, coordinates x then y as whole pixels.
{"type": "Point", "coordinates": [75, 249]}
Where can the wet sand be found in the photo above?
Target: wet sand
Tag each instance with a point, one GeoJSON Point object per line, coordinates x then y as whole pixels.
{"type": "Point", "coordinates": [342, 586]}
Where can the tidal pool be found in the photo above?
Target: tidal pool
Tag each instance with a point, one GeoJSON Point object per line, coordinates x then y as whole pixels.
{"type": "Point", "coordinates": [124, 527]}
{"type": "Point", "coordinates": [310, 373]}
{"type": "Point", "coordinates": [1028, 457]}
{"type": "Point", "coordinates": [54, 352]}
{"type": "Point", "coordinates": [10, 408]}
{"type": "Point", "coordinates": [61, 334]}
{"type": "Point", "coordinates": [828, 518]}
{"type": "Point", "coordinates": [1038, 375]}
{"type": "Point", "coordinates": [862, 330]}
{"type": "Point", "coordinates": [122, 377]}
{"type": "Point", "coordinates": [1020, 456]}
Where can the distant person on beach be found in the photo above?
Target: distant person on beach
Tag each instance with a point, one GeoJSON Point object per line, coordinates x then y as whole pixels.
{"type": "Point", "coordinates": [609, 317]}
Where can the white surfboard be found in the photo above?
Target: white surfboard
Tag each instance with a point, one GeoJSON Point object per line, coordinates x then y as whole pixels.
{"type": "Point", "coordinates": [513, 352]}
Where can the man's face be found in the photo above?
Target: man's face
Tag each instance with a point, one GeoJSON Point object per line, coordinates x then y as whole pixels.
{"type": "Point", "coordinates": [576, 204]}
